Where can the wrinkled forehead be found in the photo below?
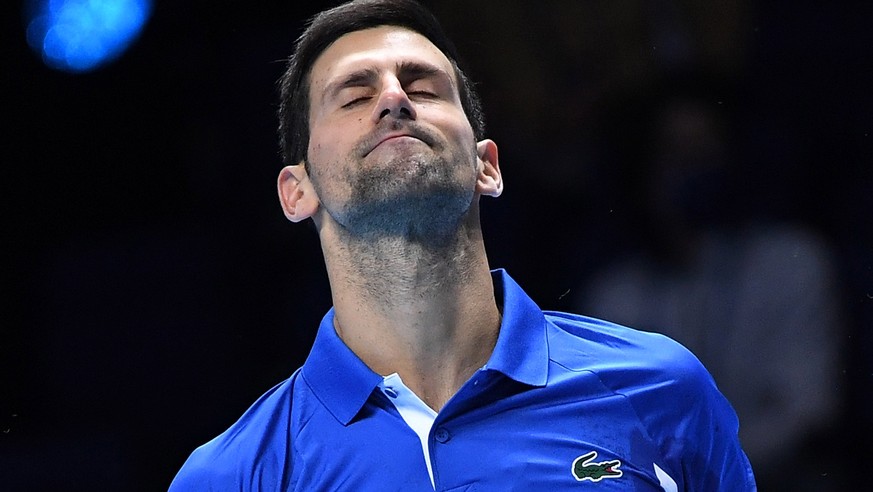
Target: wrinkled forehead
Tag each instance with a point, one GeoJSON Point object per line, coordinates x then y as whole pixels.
{"type": "Point", "coordinates": [379, 48]}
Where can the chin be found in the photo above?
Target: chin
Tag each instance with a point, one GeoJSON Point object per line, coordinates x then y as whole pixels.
{"type": "Point", "coordinates": [425, 215]}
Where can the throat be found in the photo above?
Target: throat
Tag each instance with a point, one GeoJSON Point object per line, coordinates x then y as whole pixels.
{"type": "Point", "coordinates": [394, 273]}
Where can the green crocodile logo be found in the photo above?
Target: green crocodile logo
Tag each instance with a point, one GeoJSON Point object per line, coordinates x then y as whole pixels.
{"type": "Point", "coordinates": [584, 469]}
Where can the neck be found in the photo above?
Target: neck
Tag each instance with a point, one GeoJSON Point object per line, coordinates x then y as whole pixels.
{"type": "Point", "coordinates": [424, 311]}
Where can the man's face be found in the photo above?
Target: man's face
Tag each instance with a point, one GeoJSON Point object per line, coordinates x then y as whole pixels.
{"type": "Point", "coordinates": [391, 151]}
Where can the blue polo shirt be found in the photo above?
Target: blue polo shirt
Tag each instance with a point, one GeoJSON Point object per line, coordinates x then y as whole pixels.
{"type": "Point", "coordinates": [564, 403]}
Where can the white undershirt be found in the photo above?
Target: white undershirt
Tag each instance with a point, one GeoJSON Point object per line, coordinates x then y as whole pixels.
{"type": "Point", "coordinates": [417, 415]}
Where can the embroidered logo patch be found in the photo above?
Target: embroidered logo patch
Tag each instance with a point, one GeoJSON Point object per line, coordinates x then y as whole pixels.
{"type": "Point", "coordinates": [585, 469]}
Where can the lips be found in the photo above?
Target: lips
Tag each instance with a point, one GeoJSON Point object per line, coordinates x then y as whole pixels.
{"type": "Point", "coordinates": [389, 138]}
{"type": "Point", "coordinates": [379, 138]}
{"type": "Point", "coordinates": [392, 137]}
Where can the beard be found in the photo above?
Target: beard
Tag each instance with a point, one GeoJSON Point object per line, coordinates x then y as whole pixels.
{"type": "Point", "coordinates": [420, 196]}
{"type": "Point", "coordinates": [426, 204]}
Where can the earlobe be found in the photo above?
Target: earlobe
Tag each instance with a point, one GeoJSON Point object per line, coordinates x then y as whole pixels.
{"type": "Point", "coordinates": [296, 194]}
{"type": "Point", "coordinates": [489, 181]}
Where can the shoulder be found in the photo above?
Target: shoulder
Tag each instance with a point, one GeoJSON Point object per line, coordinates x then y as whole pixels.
{"type": "Point", "coordinates": [673, 396]}
{"type": "Point", "coordinates": [649, 369]}
{"type": "Point", "coordinates": [253, 453]}
{"type": "Point", "coordinates": [617, 351]}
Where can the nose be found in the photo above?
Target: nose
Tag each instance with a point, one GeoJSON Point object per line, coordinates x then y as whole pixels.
{"type": "Point", "coordinates": [393, 101]}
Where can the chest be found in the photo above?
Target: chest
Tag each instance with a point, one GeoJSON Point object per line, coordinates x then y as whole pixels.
{"type": "Point", "coordinates": [544, 439]}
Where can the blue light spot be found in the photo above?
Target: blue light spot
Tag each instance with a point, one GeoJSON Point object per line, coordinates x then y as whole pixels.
{"type": "Point", "coordinates": [83, 35]}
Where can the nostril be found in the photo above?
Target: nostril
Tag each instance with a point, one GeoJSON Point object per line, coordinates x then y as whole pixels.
{"type": "Point", "coordinates": [396, 109]}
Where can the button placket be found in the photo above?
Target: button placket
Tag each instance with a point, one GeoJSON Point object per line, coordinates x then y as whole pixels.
{"type": "Point", "coordinates": [442, 435]}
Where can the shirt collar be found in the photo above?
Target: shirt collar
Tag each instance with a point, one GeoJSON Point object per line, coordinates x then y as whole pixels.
{"type": "Point", "coordinates": [522, 351]}
{"type": "Point", "coordinates": [339, 379]}
{"type": "Point", "coordinates": [343, 383]}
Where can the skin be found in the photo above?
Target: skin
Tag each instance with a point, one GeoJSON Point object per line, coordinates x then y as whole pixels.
{"type": "Point", "coordinates": [394, 194]}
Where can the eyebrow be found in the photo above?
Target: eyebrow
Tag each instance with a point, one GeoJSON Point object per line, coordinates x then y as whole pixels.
{"type": "Point", "coordinates": [357, 78]}
{"type": "Point", "coordinates": [413, 70]}
{"type": "Point", "coordinates": [407, 71]}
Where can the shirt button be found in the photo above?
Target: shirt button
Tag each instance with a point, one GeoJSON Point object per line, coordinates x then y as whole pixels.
{"type": "Point", "coordinates": [390, 392]}
{"type": "Point", "coordinates": [442, 435]}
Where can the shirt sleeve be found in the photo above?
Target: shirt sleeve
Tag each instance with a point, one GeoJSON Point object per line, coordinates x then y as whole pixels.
{"type": "Point", "coordinates": [691, 422]}
{"type": "Point", "coordinates": [198, 474]}
{"type": "Point", "coordinates": [253, 454]}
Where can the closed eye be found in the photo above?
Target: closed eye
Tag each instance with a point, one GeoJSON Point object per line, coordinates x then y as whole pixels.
{"type": "Point", "coordinates": [355, 101]}
{"type": "Point", "coordinates": [427, 94]}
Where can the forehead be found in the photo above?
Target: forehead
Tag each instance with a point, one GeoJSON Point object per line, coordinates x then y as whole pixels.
{"type": "Point", "coordinates": [382, 47]}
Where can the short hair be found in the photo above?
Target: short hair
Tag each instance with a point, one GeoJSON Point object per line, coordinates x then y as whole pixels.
{"type": "Point", "coordinates": [328, 26]}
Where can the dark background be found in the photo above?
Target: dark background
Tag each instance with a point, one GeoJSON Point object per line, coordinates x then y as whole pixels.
{"type": "Point", "coordinates": [152, 288]}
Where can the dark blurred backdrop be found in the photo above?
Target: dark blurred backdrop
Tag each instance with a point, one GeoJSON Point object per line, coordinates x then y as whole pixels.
{"type": "Point", "coordinates": [152, 288]}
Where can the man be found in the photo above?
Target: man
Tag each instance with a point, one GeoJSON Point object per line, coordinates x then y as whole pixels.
{"type": "Point", "coordinates": [430, 372]}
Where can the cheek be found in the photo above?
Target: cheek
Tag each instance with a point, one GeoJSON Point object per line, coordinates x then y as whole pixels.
{"type": "Point", "coordinates": [316, 143]}
{"type": "Point", "coordinates": [464, 142]}
{"type": "Point", "coordinates": [327, 167]}
{"type": "Point", "coordinates": [330, 141]}
{"type": "Point", "coordinates": [319, 148]}
{"type": "Point", "coordinates": [458, 129]}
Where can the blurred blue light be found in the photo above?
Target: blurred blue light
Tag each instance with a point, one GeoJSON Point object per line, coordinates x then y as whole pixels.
{"type": "Point", "coordinates": [82, 35]}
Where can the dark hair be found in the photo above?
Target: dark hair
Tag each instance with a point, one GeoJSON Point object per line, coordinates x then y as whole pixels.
{"type": "Point", "coordinates": [330, 25]}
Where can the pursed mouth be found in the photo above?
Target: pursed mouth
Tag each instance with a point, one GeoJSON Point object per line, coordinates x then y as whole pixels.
{"type": "Point", "coordinates": [371, 144]}
{"type": "Point", "coordinates": [389, 138]}
{"type": "Point", "coordinates": [395, 137]}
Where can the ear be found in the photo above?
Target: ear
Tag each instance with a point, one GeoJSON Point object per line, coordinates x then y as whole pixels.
{"type": "Point", "coordinates": [489, 181]}
{"type": "Point", "coordinates": [296, 194]}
